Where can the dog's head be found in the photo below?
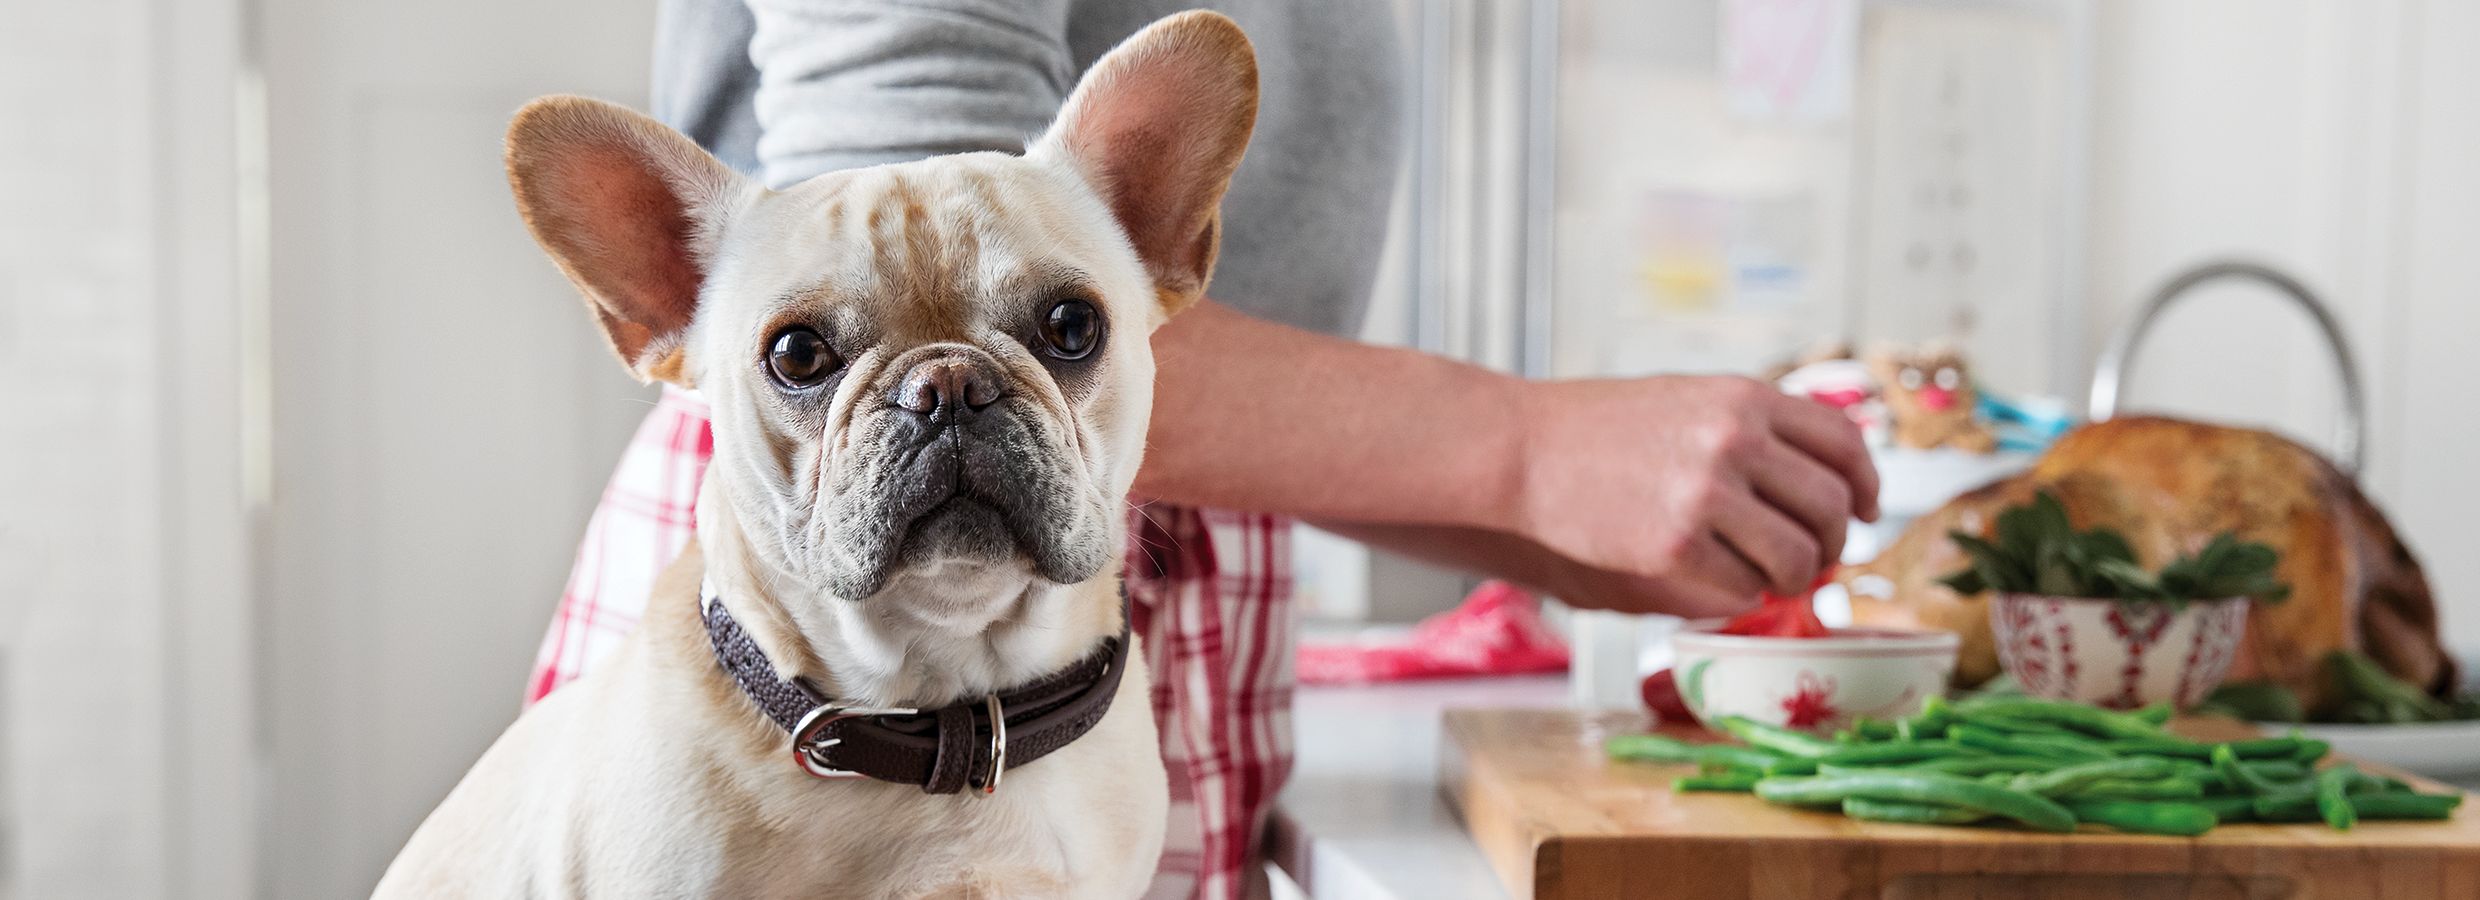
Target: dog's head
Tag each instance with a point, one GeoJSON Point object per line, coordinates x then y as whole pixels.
{"type": "Point", "coordinates": [923, 364]}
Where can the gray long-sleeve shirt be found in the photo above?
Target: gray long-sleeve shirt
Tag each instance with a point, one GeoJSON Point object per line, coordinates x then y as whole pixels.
{"type": "Point", "coordinates": [787, 89]}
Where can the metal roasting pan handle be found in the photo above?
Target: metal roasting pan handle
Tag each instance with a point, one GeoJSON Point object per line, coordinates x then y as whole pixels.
{"type": "Point", "coordinates": [2117, 359]}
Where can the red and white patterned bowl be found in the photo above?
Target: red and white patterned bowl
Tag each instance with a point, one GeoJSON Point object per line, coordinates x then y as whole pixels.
{"type": "Point", "coordinates": [2114, 654]}
{"type": "Point", "coordinates": [1818, 684]}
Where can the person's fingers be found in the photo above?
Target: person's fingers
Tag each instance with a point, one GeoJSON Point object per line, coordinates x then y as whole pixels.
{"type": "Point", "coordinates": [1798, 484]}
{"type": "Point", "coordinates": [1683, 597]}
{"type": "Point", "coordinates": [1689, 599]}
{"type": "Point", "coordinates": [1772, 541]}
{"type": "Point", "coordinates": [1703, 578]}
{"type": "Point", "coordinates": [1823, 432]}
{"type": "Point", "coordinates": [1707, 562]}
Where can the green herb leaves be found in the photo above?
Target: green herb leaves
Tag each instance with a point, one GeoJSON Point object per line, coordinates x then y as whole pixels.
{"type": "Point", "coordinates": [2038, 551]}
{"type": "Point", "coordinates": [2227, 567]}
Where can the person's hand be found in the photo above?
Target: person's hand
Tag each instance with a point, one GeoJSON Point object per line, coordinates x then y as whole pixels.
{"type": "Point", "coordinates": [1686, 494]}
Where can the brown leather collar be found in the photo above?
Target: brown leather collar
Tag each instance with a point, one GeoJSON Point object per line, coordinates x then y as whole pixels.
{"type": "Point", "coordinates": [970, 742]}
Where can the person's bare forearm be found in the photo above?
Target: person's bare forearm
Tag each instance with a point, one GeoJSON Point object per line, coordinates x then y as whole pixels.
{"type": "Point", "coordinates": [1686, 494]}
{"type": "Point", "coordinates": [1254, 415]}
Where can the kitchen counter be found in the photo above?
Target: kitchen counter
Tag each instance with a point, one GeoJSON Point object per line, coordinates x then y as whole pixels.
{"type": "Point", "coordinates": [1362, 818]}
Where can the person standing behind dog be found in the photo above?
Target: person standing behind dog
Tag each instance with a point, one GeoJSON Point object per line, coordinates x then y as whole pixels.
{"type": "Point", "coordinates": [1684, 495]}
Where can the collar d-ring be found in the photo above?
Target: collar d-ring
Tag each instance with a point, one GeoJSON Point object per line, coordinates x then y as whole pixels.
{"type": "Point", "coordinates": [998, 743]}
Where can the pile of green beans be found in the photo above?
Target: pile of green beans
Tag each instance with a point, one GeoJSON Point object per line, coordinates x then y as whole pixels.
{"type": "Point", "coordinates": [2038, 764]}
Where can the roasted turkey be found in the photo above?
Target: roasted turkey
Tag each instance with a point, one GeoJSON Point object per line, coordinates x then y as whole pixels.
{"type": "Point", "coordinates": [2170, 485]}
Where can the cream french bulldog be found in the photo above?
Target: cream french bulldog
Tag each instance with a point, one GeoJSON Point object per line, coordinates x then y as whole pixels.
{"type": "Point", "coordinates": [930, 385]}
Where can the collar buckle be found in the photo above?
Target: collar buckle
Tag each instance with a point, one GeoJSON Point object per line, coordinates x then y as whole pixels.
{"type": "Point", "coordinates": [998, 743]}
{"type": "Point", "coordinates": [810, 753]}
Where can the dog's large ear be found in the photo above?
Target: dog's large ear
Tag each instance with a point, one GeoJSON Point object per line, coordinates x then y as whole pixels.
{"type": "Point", "coordinates": [630, 209]}
{"type": "Point", "coordinates": [1157, 127]}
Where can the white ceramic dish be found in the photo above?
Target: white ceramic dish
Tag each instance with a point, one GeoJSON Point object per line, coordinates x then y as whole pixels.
{"type": "Point", "coordinates": [1813, 683]}
{"type": "Point", "coordinates": [2447, 751]}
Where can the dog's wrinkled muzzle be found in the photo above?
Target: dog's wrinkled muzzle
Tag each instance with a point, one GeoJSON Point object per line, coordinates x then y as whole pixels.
{"type": "Point", "coordinates": [959, 468]}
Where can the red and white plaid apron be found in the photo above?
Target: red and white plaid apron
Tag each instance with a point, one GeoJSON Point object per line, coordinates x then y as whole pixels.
{"type": "Point", "coordinates": [1210, 590]}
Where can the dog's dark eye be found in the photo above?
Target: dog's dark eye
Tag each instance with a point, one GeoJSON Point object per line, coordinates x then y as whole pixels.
{"type": "Point", "coordinates": [800, 358]}
{"type": "Point", "coordinates": [1072, 329]}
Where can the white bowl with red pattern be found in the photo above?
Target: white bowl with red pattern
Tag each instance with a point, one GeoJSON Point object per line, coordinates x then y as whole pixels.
{"type": "Point", "coordinates": [1817, 684]}
{"type": "Point", "coordinates": [2115, 654]}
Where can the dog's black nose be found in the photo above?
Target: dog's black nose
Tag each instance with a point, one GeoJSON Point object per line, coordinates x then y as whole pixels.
{"type": "Point", "coordinates": [947, 389]}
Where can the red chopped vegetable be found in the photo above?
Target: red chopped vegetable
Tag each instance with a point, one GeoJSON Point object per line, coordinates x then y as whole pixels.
{"type": "Point", "coordinates": [1791, 617]}
{"type": "Point", "coordinates": [1661, 693]}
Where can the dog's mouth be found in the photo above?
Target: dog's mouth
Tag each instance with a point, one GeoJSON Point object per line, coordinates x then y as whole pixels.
{"type": "Point", "coordinates": [960, 522]}
{"type": "Point", "coordinates": [990, 492]}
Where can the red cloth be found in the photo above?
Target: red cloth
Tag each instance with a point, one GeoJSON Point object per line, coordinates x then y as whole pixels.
{"type": "Point", "coordinates": [1497, 631]}
{"type": "Point", "coordinates": [1210, 592]}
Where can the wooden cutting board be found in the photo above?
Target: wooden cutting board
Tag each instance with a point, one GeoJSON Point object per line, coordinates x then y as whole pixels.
{"type": "Point", "coordinates": [1557, 821]}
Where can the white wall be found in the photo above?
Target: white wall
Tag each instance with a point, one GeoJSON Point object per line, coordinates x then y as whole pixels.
{"type": "Point", "coordinates": [126, 709]}
{"type": "Point", "coordinates": [445, 413]}
{"type": "Point", "coordinates": [2335, 140]}
{"type": "Point", "coordinates": [81, 658]}
{"type": "Point", "coordinates": [2217, 133]}
{"type": "Point", "coordinates": [2431, 331]}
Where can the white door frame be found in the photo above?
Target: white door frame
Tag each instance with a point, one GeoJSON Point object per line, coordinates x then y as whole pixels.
{"type": "Point", "coordinates": [209, 171]}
